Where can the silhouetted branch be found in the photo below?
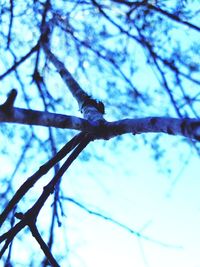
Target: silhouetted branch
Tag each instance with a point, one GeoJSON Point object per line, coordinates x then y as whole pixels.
{"type": "Point", "coordinates": [56, 198]}
{"type": "Point", "coordinates": [171, 16]}
{"type": "Point", "coordinates": [109, 60]}
{"type": "Point", "coordinates": [17, 63]}
{"type": "Point", "coordinates": [10, 23]}
{"type": "Point", "coordinates": [141, 42]}
{"type": "Point", "coordinates": [136, 4]}
{"type": "Point", "coordinates": [10, 234]}
{"type": "Point", "coordinates": [8, 258]}
{"type": "Point", "coordinates": [29, 218]}
{"type": "Point", "coordinates": [43, 245]}
{"type": "Point", "coordinates": [49, 188]}
{"type": "Point", "coordinates": [7, 106]}
{"type": "Point", "coordinates": [43, 32]}
{"type": "Point", "coordinates": [36, 176]}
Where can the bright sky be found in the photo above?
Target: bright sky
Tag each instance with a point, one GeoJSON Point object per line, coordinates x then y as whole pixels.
{"type": "Point", "coordinates": [130, 190]}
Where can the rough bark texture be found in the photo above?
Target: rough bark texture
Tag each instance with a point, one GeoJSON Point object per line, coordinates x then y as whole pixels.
{"type": "Point", "coordinates": [103, 129]}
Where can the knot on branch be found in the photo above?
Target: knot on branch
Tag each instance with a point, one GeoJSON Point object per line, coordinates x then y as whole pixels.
{"type": "Point", "coordinates": [37, 77]}
{"type": "Point", "coordinates": [191, 128]}
{"type": "Point", "coordinates": [101, 130]}
{"type": "Point", "coordinates": [94, 103]}
{"type": "Point", "coordinates": [7, 106]}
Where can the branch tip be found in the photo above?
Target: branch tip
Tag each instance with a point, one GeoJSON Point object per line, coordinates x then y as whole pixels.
{"type": "Point", "coordinates": [9, 103]}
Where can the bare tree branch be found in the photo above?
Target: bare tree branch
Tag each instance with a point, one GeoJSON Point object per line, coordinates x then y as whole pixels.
{"type": "Point", "coordinates": [29, 218]}
{"type": "Point", "coordinates": [155, 8]}
{"type": "Point", "coordinates": [91, 109]}
{"type": "Point", "coordinates": [34, 117]}
{"type": "Point", "coordinates": [36, 176]}
{"type": "Point", "coordinates": [10, 23]}
{"type": "Point", "coordinates": [17, 63]}
{"type": "Point", "coordinates": [43, 245]}
{"type": "Point", "coordinates": [184, 126]}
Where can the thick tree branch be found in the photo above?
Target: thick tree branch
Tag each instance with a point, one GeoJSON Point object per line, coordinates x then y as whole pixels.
{"type": "Point", "coordinates": [174, 126]}
{"type": "Point", "coordinates": [34, 117]}
{"type": "Point", "coordinates": [92, 110]}
{"type": "Point", "coordinates": [185, 127]}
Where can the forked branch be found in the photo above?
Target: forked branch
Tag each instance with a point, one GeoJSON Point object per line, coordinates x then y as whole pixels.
{"type": "Point", "coordinates": [103, 129]}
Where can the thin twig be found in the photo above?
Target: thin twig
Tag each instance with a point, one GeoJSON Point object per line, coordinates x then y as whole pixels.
{"type": "Point", "coordinates": [130, 230]}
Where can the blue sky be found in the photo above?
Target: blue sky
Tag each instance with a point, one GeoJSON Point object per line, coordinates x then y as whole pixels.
{"type": "Point", "coordinates": [131, 191]}
{"type": "Point", "coordinates": [121, 180]}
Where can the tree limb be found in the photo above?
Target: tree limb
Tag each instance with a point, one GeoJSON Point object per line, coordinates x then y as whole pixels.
{"type": "Point", "coordinates": [35, 117]}
{"type": "Point", "coordinates": [91, 109]}
{"type": "Point", "coordinates": [105, 130]}
{"type": "Point", "coordinates": [17, 63]}
{"type": "Point", "coordinates": [24, 188]}
{"type": "Point", "coordinates": [43, 245]}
